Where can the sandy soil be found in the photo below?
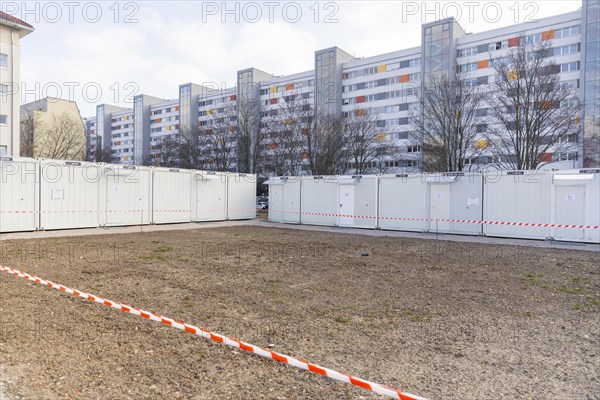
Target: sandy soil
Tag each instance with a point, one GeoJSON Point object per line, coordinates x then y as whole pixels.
{"type": "Point", "coordinates": [439, 319]}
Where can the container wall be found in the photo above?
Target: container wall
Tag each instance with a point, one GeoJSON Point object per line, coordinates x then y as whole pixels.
{"type": "Point", "coordinates": [19, 186]}
{"type": "Point", "coordinates": [319, 197]}
{"type": "Point", "coordinates": [210, 196]}
{"type": "Point", "coordinates": [364, 203]}
{"type": "Point", "coordinates": [575, 200]}
{"type": "Point", "coordinates": [69, 194]}
{"type": "Point", "coordinates": [284, 200]}
{"type": "Point", "coordinates": [171, 195]}
{"type": "Point", "coordinates": [517, 197]}
{"type": "Point", "coordinates": [455, 197]}
{"type": "Point", "coordinates": [403, 202]}
{"type": "Point", "coordinates": [126, 196]}
{"type": "Point", "coordinates": [241, 196]}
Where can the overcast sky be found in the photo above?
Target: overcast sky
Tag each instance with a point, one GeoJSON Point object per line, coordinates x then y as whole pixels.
{"type": "Point", "coordinates": [114, 50]}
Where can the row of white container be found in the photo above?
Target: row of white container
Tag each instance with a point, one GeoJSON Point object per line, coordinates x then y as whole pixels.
{"type": "Point", "coordinates": [49, 194]}
{"type": "Point", "coordinates": [501, 203]}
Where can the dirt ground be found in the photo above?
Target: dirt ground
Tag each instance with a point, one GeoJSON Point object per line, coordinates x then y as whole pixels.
{"type": "Point", "coordinates": [439, 319]}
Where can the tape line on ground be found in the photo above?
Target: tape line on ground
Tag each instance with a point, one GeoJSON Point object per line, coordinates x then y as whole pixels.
{"type": "Point", "coordinates": [375, 387]}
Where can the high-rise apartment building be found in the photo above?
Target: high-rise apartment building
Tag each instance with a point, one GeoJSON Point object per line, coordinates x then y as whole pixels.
{"type": "Point", "coordinates": [386, 85]}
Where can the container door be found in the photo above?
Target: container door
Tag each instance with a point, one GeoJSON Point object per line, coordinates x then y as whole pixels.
{"type": "Point", "coordinates": [346, 196]}
{"type": "Point", "coordinates": [210, 200]}
{"type": "Point", "coordinates": [439, 202]}
{"type": "Point", "coordinates": [276, 203]}
{"type": "Point", "coordinates": [570, 209]}
{"type": "Point", "coordinates": [123, 205]}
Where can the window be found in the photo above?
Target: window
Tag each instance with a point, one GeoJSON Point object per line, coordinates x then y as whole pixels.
{"type": "Point", "coordinates": [467, 52]}
{"type": "Point", "coordinates": [570, 49]}
{"type": "Point", "coordinates": [480, 128]}
{"type": "Point", "coordinates": [4, 89]}
{"type": "Point", "coordinates": [392, 67]}
{"type": "Point", "coordinates": [414, 149]}
{"type": "Point", "coordinates": [567, 156]}
{"type": "Point", "coordinates": [467, 67]}
{"type": "Point", "coordinates": [370, 71]}
{"type": "Point", "coordinates": [574, 66]}
{"type": "Point", "coordinates": [411, 163]}
{"type": "Point", "coordinates": [3, 61]}
{"type": "Point", "coordinates": [3, 119]}
{"type": "Point", "coordinates": [481, 112]}
{"type": "Point", "coordinates": [498, 46]}
{"type": "Point", "coordinates": [533, 38]}
{"type": "Point", "coordinates": [564, 32]}
{"type": "Point", "coordinates": [416, 62]}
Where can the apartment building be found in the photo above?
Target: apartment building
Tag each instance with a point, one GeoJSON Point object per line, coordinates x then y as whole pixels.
{"type": "Point", "coordinates": [386, 84]}
{"type": "Point", "coordinates": [47, 122]}
{"type": "Point", "coordinates": [12, 30]}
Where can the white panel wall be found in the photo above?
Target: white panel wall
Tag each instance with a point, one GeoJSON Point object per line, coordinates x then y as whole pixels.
{"type": "Point", "coordinates": [461, 199]}
{"type": "Point", "coordinates": [364, 202]}
{"type": "Point", "coordinates": [284, 199]}
{"type": "Point", "coordinates": [241, 196]}
{"type": "Point", "coordinates": [172, 195]}
{"type": "Point", "coordinates": [69, 194]}
{"type": "Point", "coordinates": [319, 195]}
{"type": "Point", "coordinates": [126, 195]}
{"type": "Point", "coordinates": [517, 196]}
{"type": "Point", "coordinates": [209, 196]}
{"type": "Point", "coordinates": [19, 208]}
{"type": "Point", "coordinates": [576, 201]}
{"type": "Point", "coordinates": [403, 202]}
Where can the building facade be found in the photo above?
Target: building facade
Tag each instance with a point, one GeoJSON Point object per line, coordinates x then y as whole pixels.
{"type": "Point", "coordinates": [12, 30]}
{"type": "Point", "coordinates": [386, 85]}
{"type": "Point", "coordinates": [52, 128]}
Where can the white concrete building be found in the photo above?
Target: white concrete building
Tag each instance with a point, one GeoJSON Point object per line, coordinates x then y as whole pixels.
{"type": "Point", "coordinates": [11, 32]}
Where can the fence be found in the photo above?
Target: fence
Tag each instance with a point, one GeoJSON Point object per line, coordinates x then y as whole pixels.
{"type": "Point", "coordinates": [39, 194]}
{"type": "Point", "coordinates": [559, 205]}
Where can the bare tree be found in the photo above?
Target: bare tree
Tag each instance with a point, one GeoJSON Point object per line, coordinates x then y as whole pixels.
{"type": "Point", "coordinates": [446, 123]}
{"type": "Point", "coordinates": [104, 154]}
{"type": "Point", "coordinates": [591, 138]}
{"type": "Point", "coordinates": [325, 145]}
{"type": "Point", "coordinates": [62, 138]}
{"type": "Point", "coordinates": [218, 139]}
{"type": "Point", "coordinates": [30, 125]}
{"type": "Point", "coordinates": [286, 129]}
{"type": "Point", "coordinates": [360, 135]}
{"type": "Point", "coordinates": [167, 153]}
{"type": "Point", "coordinates": [533, 113]}
{"type": "Point", "coordinates": [249, 136]}
{"type": "Point", "coordinates": [190, 142]}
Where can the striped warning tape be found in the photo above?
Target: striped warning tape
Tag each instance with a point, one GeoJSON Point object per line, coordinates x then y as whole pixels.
{"type": "Point", "coordinates": [375, 387]}
{"type": "Point", "coordinates": [464, 221]}
{"type": "Point", "coordinates": [116, 210]}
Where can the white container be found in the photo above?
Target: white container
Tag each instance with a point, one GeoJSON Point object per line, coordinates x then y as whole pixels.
{"type": "Point", "coordinates": [357, 201]}
{"type": "Point", "coordinates": [455, 197]}
{"type": "Point", "coordinates": [19, 178]}
{"type": "Point", "coordinates": [284, 199]}
{"type": "Point", "coordinates": [517, 197]}
{"type": "Point", "coordinates": [171, 195]}
{"type": "Point", "coordinates": [403, 202]}
{"type": "Point", "coordinates": [319, 200]}
{"type": "Point", "coordinates": [241, 196]}
{"type": "Point", "coordinates": [209, 196]}
{"type": "Point", "coordinates": [575, 200]}
{"type": "Point", "coordinates": [69, 194]}
{"type": "Point", "coordinates": [126, 195]}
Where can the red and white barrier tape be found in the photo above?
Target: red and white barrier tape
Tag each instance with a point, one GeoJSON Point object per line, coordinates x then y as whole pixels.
{"type": "Point", "coordinates": [375, 387]}
{"type": "Point", "coordinates": [464, 221]}
{"type": "Point", "coordinates": [113, 211]}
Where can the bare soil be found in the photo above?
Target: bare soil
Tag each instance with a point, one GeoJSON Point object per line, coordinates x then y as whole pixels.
{"type": "Point", "coordinates": [440, 319]}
